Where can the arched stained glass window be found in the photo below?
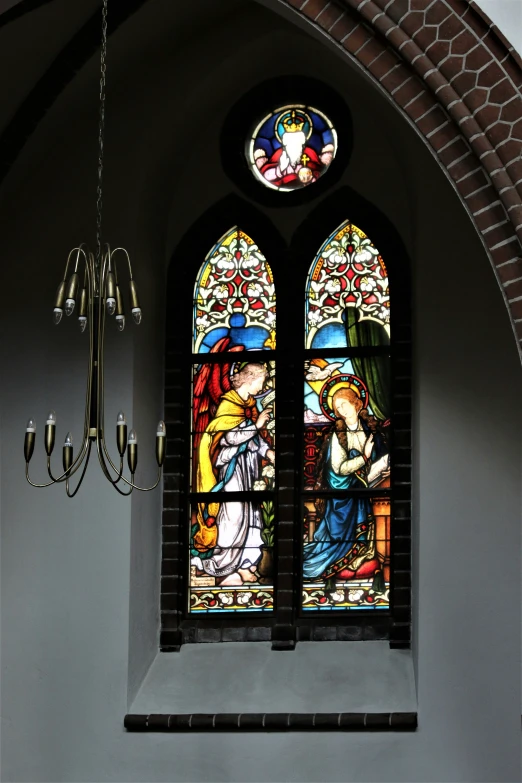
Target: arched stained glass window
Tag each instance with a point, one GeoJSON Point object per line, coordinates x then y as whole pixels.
{"type": "Point", "coordinates": [233, 431]}
{"type": "Point", "coordinates": [346, 481]}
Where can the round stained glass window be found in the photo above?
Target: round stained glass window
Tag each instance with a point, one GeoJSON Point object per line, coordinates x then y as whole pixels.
{"type": "Point", "coordinates": [292, 147]}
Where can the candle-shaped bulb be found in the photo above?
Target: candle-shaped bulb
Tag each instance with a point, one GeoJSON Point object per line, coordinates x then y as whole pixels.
{"type": "Point", "coordinates": [136, 314]}
{"type": "Point", "coordinates": [57, 315]}
{"type": "Point", "coordinates": [29, 439]}
{"type": "Point", "coordinates": [50, 432]}
{"type": "Point", "coordinates": [111, 305]}
{"type": "Point", "coordinates": [82, 321]}
{"type": "Point", "coordinates": [161, 432]}
{"type": "Point", "coordinates": [67, 453]}
{"type": "Point", "coordinates": [69, 306]}
{"type": "Point", "coordinates": [132, 452]}
{"type": "Point", "coordinates": [121, 433]}
{"type": "Point", "coordinates": [120, 322]}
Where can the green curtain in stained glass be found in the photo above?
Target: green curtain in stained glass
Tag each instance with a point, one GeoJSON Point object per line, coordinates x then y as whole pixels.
{"type": "Point", "coordinates": [374, 370]}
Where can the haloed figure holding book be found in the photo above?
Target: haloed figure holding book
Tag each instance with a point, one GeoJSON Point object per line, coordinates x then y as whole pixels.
{"type": "Point", "coordinates": [353, 455]}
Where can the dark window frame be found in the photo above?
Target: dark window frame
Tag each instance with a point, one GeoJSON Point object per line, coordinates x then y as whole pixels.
{"type": "Point", "coordinates": [290, 264]}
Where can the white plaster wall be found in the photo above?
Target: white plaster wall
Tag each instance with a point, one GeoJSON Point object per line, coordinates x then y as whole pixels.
{"type": "Point", "coordinates": [80, 579]}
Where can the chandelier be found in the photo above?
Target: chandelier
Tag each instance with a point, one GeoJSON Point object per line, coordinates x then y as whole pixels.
{"type": "Point", "coordinates": [90, 286]}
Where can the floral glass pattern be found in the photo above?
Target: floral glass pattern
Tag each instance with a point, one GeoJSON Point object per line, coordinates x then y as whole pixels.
{"type": "Point", "coordinates": [292, 147]}
{"type": "Point", "coordinates": [232, 520]}
{"type": "Point", "coordinates": [347, 293]}
{"type": "Point", "coordinates": [234, 296]}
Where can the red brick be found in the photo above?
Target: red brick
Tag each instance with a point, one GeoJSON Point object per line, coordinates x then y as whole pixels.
{"type": "Point", "coordinates": [490, 75]}
{"type": "Point", "coordinates": [453, 152]}
{"type": "Point", "coordinates": [313, 8]}
{"type": "Point", "coordinates": [420, 105]}
{"type": "Point", "coordinates": [329, 15]}
{"type": "Point", "coordinates": [506, 252]}
{"type": "Point", "coordinates": [477, 98]}
{"type": "Point", "coordinates": [395, 78]}
{"type": "Point", "coordinates": [357, 37]}
{"type": "Point", "coordinates": [514, 290]}
{"type": "Point", "coordinates": [463, 43]}
{"type": "Point", "coordinates": [450, 28]}
{"type": "Point", "coordinates": [432, 120]}
{"type": "Point", "coordinates": [487, 115]}
{"type": "Point", "coordinates": [397, 9]}
{"type": "Point", "coordinates": [412, 22]}
{"type": "Point", "coordinates": [472, 183]}
{"type": "Point", "coordinates": [341, 28]}
{"type": "Point", "coordinates": [437, 13]}
{"type": "Point", "coordinates": [509, 272]}
{"type": "Point", "coordinates": [425, 36]}
{"type": "Point", "coordinates": [453, 65]}
{"type": "Point", "coordinates": [443, 136]}
{"type": "Point", "coordinates": [498, 133]}
{"type": "Point", "coordinates": [383, 64]}
{"type": "Point", "coordinates": [464, 82]}
{"type": "Point", "coordinates": [479, 57]}
{"type": "Point", "coordinates": [369, 51]}
{"type": "Point", "coordinates": [511, 111]}
{"type": "Point", "coordinates": [490, 217]}
{"type": "Point", "coordinates": [498, 234]}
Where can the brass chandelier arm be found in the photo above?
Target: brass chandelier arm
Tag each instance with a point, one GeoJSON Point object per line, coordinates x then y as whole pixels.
{"type": "Point", "coordinates": [76, 465]}
{"type": "Point", "coordinates": [108, 475]}
{"type": "Point", "coordinates": [80, 481]}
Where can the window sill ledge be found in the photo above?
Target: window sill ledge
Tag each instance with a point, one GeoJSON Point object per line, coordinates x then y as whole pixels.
{"type": "Point", "coordinates": [322, 686]}
{"type": "Point", "coordinates": [273, 722]}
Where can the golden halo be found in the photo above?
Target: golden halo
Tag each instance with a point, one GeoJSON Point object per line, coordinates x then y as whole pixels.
{"type": "Point", "coordinates": [341, 381]}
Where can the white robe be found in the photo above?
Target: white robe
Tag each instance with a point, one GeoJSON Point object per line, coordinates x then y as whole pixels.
{"type": "Point", "coordinates": [239, 523]}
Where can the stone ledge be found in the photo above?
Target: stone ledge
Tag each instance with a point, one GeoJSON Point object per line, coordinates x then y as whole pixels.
{"type": "Point", "coordinates": [321, 678]}
{"type": "Point", "coordinates": [273, 722]}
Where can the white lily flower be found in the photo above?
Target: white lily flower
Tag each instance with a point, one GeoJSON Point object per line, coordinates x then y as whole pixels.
{"type": "Point", "coordinates": [259, 486]}
{"type": "Point", "coordinates": [202, 322]}
{"type": "Point", "coordinates": [367, 284]}
{"type": "Point", "coordinates": [337, 596]}
{"type": "Point", "coordinates": [268, 471]}
{"type": "Point", "coordinates": [221, 292]}
{"type": "Point", "coordinates": [270, 318]}
{"type": "Point", "coordinates": [254, 290]}
{"type": "Point", "coordinates": [244, 598]}
{"type": "Point", "coordinates": [355, 595]}
{"type": "Point", "coordinates": [315, 317]}
{"type": "Point", "coordinates": [333, 286]}
{"type": "Point", "coordinates": [226, 598]}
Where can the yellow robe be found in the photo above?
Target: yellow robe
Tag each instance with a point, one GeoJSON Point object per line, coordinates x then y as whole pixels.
{"type": "Point", "coordinates": [231, 412]}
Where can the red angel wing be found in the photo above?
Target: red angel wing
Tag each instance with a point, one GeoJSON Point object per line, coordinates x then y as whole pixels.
{"type": "Point", "coordinates": [211, 382]}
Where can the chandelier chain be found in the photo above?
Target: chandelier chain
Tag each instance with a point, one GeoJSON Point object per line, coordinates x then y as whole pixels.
{"type": "Point", "coordinates": [101, 135]}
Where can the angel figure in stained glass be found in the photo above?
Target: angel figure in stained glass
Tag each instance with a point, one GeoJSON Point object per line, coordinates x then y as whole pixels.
{"type": "Point", "coordinates": [232, 445]}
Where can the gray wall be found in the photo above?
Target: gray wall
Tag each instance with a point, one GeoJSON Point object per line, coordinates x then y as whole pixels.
{"type": "Point", "coordinates": [80, 579]}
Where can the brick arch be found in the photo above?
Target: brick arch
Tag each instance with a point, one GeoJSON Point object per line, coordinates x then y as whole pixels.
{"type": "Point", "coordinates": [450, 70]}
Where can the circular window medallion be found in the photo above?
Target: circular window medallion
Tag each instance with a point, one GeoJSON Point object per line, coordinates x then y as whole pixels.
{"type": "Point", "coordinates": [292, 147]}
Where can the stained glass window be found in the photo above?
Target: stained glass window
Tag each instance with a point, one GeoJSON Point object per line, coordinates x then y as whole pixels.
{"type": "Point", "coordinates": [292, 147]}
{"type": "Point", "coordinates": [232, 519]}
{"type": "Point", "coordinates": [346, 497]}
